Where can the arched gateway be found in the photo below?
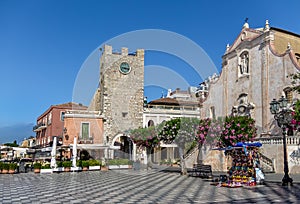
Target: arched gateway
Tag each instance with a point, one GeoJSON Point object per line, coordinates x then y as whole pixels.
{"type": "Point", "coordinates": [123, 147]}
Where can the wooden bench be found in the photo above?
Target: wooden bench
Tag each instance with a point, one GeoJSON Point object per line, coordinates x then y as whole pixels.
{"type": "Point", "coordinates": [202, 170]}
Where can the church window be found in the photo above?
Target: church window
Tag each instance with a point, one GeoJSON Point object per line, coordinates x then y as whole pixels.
{"type": "Point", "coordinates": [212, 112]}
{"type": "Point", "coordinates": [243, 64]}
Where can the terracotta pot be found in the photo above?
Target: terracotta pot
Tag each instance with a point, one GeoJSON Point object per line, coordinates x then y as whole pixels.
{"type": "Point", "coordinates": [37, 171]}
{"type": "Point", "coordinates": [104, 168]}
{"type": "Point", "coordinates": [11, 171]}
{"type": "Point", "coordinates": [4, 171]}
{"type": "Point", "coordinates": [85, 168]}
{"type": "Point", "coordinates": [67, 169]}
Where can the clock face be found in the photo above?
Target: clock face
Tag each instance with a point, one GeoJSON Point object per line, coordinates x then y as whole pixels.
{"type": "Point", "coordinates": [125, 68]}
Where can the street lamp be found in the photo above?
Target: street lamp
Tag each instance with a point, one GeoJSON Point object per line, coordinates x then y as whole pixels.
{"type": "Point", "coordinates": [283, 116]}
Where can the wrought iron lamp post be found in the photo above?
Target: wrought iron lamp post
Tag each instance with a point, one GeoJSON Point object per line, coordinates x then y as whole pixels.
{"type": "Point", "coordinates": [283, 116]}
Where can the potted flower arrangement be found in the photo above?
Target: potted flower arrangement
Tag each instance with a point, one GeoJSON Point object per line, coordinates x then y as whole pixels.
{"type": "Point", "coordinates": [37, 167]}
{"type": "Point", "coordinates": [103, 166]}
{"type": "Point", "coordinates": [67, 165]}
{"type": "Point", "coordinates": [12, 168]}
{"type": "Point", "coordinates": [94, 165]}
{"type": "Point", "coordinates": [5, 168]}
{"type": "Point", "coordinates": [119, 164]}
{"type": "Point", "coordinates": [85, 165]}
{"type": "Point", "coordinates": [46, 168]}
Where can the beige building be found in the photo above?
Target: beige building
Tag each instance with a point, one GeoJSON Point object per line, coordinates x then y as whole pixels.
{"type": "Point", "coordinates": [254, 71]}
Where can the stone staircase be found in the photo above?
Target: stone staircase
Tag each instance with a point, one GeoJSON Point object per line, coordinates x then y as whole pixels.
{"type": "Point", "coordinates": [267, 164]}
{"type": "Point", "coordinates": [219, 162]}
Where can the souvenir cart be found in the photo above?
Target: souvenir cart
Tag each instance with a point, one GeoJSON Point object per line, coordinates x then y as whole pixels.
{"type": "Point", "coordinates": [245, 161]}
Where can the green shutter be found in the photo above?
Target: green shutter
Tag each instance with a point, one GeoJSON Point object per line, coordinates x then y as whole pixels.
{"type": "Point", "coordinates": [85, 130]}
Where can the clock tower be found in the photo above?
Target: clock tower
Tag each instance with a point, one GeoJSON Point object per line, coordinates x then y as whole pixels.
{"type": "Point", "coordinates": [120, 95]}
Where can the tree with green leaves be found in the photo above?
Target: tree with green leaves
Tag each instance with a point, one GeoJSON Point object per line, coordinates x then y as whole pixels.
{"type": "Point", "coordinates": [181, 131]}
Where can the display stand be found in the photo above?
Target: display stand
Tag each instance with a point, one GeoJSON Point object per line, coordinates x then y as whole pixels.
{"type": "Point", "coordinates": [245, 158]}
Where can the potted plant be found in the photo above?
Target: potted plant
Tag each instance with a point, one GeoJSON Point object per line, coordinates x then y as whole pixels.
{"type": "Point", "coordinates": [104, 167]}
{"type": "Point", "coordinates": [59, 167]}
{"type": "Point", "coordinates": [1, 167]}
{"type": "Point", "coordinates": [12, 168]}
{"type": "Point", "coordinates": [5, 168]}
{"type": "Point", "coordinates": [85, 165]}
{"type": "Point", "coordinates": [37, 167]}
{"type": "Point", "coordinates": [94, 164]}
{"type": "Point", "coordinates": [67, 165]}
{"type": "Point", "coordinates": [46, 168]}
{"type": "Point", "coordinates": [120, 164]}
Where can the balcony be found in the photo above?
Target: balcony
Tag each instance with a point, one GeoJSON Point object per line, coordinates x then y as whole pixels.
{"type": "Point", "coordinates": [39, 127]}
{"type": "Point", "coordinates": [89, 140]}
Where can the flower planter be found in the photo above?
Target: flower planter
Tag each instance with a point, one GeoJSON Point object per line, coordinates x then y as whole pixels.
{"type": "Point", "coordinates": [37, 171]}
{"type": "Point", "coordinates": [76, 169]}
{"type": "Point", "coordinates": [4, 171]}
{"type": "Point", "coordinates": [94, 168]}
{"type": "Point", "coordinates": [104, 168]}
{"type": "Point", "coordinates": [67, 169]}
{"type": "Point", "coordinates": [58, 169]}
{"type": "Point", "coordinates": [11, 171]}
{"type": "Point", "coordinates": [85, 168]}
{"type": "Point", "coordinates": [46, 171]}
{"type": "Point", "coordinates": [119, 166]}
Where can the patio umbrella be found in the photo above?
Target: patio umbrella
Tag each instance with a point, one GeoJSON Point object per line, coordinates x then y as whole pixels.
{"type": "Point", "coordinates": [53, 153]}
{"type": "Point", "coordinates": [74, 152]}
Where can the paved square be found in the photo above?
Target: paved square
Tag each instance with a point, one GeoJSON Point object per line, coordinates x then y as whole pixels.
{"type": "Point", "coordinates": [133, 187]}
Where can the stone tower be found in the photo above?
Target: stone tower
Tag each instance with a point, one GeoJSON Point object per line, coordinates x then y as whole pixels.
{"type": "Point", "coordinates": [120, 96]}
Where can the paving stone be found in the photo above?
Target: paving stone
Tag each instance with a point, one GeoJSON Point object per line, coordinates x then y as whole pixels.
{"type": "Point", "coordinates": [133, 187]}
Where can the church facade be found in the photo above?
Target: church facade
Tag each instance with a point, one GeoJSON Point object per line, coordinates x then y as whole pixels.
{"type": "Point", "coordinates": [255, 70]}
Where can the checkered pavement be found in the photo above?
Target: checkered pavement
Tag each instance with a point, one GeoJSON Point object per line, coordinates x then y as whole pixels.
{"type": "Point", "coordinates": [129, 186]}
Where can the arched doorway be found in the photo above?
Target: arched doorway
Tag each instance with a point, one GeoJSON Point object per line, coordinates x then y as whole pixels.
{"type": "Point", "coordinates": [123, 147]}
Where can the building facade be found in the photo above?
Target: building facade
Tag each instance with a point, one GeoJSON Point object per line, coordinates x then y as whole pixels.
{"type": "Point", "coordinates": [51, 123]}
{"type": "Point", "coordinates": [255, 70]}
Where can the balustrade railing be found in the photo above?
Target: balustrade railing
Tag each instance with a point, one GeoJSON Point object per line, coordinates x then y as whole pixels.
{"type": "Point", "coordinates": [290, 140]}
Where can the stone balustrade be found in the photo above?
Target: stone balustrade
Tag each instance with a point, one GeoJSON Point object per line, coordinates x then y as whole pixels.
{"type": "Point", "coordinates": [290, 140]}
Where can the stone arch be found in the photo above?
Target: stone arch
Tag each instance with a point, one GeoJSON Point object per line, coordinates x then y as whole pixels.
{"type": "Point", "coordinates": [150, 123]}
{"type": "Point", "coordinates": [123, 147]}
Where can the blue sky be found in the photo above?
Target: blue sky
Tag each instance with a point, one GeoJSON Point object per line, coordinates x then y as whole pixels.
{"type": "Point", "coordinates": [44, 44]}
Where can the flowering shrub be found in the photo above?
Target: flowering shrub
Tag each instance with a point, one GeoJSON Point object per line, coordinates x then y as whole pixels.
{"type": "Point", "coordinates": [169, 131]}
{"type": "Point", "coordinates": [237, 129]}
{"type": "Point", "coordinates": [145, 137]}
{"type": "Point", "coordinates": [209, 131]}
{"type": "Point", "coordinates": [228, 132]}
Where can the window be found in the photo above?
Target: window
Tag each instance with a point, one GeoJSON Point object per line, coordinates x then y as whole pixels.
{"type": "Point", "coordinates": [243, 63]}
{"type": "Point", "coordinates": [85, 130]}
{"type": "Point", "coordinates": [62, 116]}
{"type": "Point", "coordinates": [150, 123]}
{"type": "Point", "coordinates": [212, 112]}
{"type": "Point", "coordinates": [49, 118]}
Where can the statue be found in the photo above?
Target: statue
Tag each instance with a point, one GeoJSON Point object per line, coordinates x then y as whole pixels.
{"type": "Point", "coordinates": [244, 63]}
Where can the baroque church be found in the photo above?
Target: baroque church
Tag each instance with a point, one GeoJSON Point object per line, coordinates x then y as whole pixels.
{"type": "Point", "coordinates": [255, 70]}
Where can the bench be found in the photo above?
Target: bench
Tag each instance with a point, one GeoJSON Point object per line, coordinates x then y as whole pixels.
{"type": "Point", "coordinates": [202, 170]}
